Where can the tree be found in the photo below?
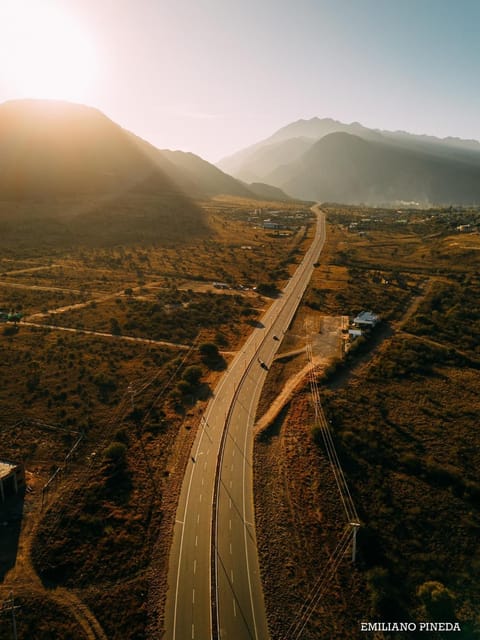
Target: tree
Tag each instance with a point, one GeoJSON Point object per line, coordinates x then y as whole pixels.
{"type": "Point", "coordinates": [192, 374]}
{"type": "Point", "coordinates": [209, 351]}
{"type": "Point", "coordinates": [437, 600]}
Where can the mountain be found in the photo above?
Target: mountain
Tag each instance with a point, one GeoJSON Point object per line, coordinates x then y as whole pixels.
{"type": "Point", "coordinates": [325, 159]}
{"type": "Point", "coordinates": [285, 145]}
{"type": "Point", "coordinates": [209, 180]}
{"type": "Point", "coordinates": [341, 167]}
{"type": "Point", "coordinates": [69, 175]}
{"type": "Point", "coordinates": [61, 149]}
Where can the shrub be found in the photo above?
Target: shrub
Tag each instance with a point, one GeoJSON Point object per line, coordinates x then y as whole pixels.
{"type": "Point", "coordinates": [116, 453]}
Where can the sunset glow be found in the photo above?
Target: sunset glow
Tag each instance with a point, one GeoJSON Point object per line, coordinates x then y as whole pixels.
{"type": "Point", "coordinates": [45, 53]}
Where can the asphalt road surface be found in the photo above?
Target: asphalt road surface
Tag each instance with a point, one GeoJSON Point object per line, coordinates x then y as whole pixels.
{"type": "Point", "coordinates": [213, 559]}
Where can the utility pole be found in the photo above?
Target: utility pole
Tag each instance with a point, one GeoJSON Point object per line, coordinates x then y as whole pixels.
{"type": "Point", "coordinates": [132, 393]}
{"type": "Point", "coordinates": [11, 604]}
{"type": "Point", "coordinates": [355, 526]}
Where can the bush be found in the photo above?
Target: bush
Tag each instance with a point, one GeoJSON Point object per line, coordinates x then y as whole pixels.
{"type": "Point", "coordinates": [116, 453]}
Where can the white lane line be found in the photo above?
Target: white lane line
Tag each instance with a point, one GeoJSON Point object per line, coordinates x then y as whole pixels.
{"type": "Point", "coordinates": [193, 631]}
{"type": "Point", "coordinates": [231, 575]}
{"type": "Point", "coordinates": [196, 541]}
{"type": "Point", "coordinates": [194, 567]}
{"type": "Point", "coordinates": [204, 466]}
{"type": "Point", "coordinates": [198, 518]}
{"type": "Point", "coordinates": [230, 502]}
{"type": "Point", "coordinates": [231, 552]}
{"type": "Point", "coordinates": [234, 608]}
{"type": "Point", "coordinates": [233, 453]}
{"type": "Point", "coordinates": [244, 509]}
{"type": "Point", "coordinates": [193, 596]}
{"type": "Point", "coordinates": [200, 497]}
{"type": "Point", "coordinates": [230, 525]}
{"type": "Point", "coordinates": [231, 468]}
{"type": "Point", "coordinates": [203, 481]}
{"type": "Point", "coordinates": [178, 521]}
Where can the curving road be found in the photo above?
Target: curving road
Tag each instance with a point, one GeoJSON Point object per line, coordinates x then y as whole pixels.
{"type": "Point", "coordinates": [213, 559]}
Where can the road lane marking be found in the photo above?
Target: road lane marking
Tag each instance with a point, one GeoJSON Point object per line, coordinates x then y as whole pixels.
{"type": "Point", "coordinates": [193, 631]}
{"type": "Point", "coordinates": [200, 497]}
{"type": "Point", "coordinates": [231, 553]}
{"type": "Point", "coordinates": [234, 608]}
{"type": "Point", "coordinates": [231, 575]}
{"type": "Point", "coordinates": [198, 518]}
{"type": "Point", "coordinates": [196, 541]}
{"type": "Point", "coordinates": [230, 501]}
{"type": "Point", "coordinates": [194, 567]}
{"type": "Point", "coordinates": [193, 596]}
{"type": "Point", "coordinates": [230, 525]}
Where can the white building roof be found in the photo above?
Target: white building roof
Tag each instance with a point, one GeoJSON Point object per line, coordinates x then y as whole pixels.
{"type": "Point", "coordinates": [6, 468]}
{"type": "Point", "coordinates": [366, 317]}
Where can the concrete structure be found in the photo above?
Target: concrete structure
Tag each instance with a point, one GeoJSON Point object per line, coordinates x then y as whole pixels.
{"type": "Point", "coordinates": [366, 319]}
{"type": "Point", "coordinates": [12, 479]}
{"type": "Point", "coordinates": [355, 333]}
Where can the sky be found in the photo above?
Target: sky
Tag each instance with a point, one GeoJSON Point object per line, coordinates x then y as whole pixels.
{"type": "Point", "coordinates": [213, 76]}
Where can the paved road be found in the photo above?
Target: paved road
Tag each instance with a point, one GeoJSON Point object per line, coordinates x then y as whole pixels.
{"type": "Point", "coordinates": [224, 443]}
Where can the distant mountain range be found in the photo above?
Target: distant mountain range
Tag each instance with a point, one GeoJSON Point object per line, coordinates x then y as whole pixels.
{"type": "Point", "coordinates": [323, 159]}
{"type": "Point", "coordinates": [113, 185]}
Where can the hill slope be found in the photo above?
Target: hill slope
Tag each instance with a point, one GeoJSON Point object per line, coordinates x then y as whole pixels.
{"type": "Point", "coordinates": [347, 168]}
{"type": "Point", "coordinates": [68, 174]}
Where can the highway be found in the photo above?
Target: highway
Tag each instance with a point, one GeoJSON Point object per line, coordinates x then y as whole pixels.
{"type": "Point", "coordinates": [213, 559]}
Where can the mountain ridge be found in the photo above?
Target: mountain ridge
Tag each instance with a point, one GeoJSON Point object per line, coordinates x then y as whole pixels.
{"type": "Point", "coordinates": [447, 170]}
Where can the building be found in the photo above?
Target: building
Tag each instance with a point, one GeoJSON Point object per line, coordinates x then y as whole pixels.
{"type": "Point", "coordinates": [12, 479]}
{"type": "Point", "coordinates": [366, 319]}
{"type": "Point", "coordinates": [268, 224]}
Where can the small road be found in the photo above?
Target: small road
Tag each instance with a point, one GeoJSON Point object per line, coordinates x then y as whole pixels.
{"type": "Point", "coordinates": [101, 334]}
{"type": "Point", "coordinates": [213, 559]}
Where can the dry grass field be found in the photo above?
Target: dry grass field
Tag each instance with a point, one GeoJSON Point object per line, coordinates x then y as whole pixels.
{"type": "Point", "coordinates": [123, 369]}
{"type": "Point", "coordinates": [403, 410]}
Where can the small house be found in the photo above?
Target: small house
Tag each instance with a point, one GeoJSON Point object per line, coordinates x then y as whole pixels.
{"type": "Point", "coordinates": [12, 479]}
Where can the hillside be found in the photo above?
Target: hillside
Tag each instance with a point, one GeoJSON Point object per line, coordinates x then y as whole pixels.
{"type": "Point", "coordinates": [328, 160]}
{"type": "Point", "coordinates": [343, 167]}
{"type": "Point", "coordinates": [209, 180]}
{"type": "Point", "coordinates": [68, 174]}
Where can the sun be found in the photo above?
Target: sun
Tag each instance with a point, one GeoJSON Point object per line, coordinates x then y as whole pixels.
{"type": "Point", "coordinates": [44, 52]}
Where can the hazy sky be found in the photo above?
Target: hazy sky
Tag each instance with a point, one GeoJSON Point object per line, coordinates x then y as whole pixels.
{"type": "Point", "coordinates": [212, 76]}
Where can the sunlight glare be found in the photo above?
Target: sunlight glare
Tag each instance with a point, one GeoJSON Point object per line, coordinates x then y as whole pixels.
{"type": "Point", "coordinates": [44, 52]}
